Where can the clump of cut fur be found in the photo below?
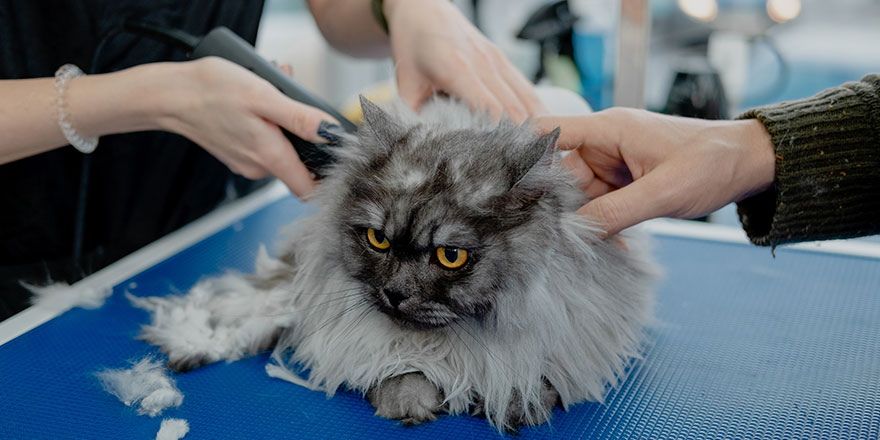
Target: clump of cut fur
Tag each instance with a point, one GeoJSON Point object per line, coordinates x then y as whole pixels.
{"type": "Point", "coordinates": [224, 318]}
{"type": "Point", "coordinates": [63, 296]}
{"type": "Point", "coordinates": [543, 311]}
{"type": "Point", "coordinates": [172, 429]}
{"type": "Point", "coordinates": [145, 385]}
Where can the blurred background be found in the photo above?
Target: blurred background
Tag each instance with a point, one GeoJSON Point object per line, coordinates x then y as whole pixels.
{"type": "Point", "coordinates": [703, 58]}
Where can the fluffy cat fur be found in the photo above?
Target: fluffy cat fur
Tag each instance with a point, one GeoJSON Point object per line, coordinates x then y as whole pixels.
{"type": "Point", "coordinates": [542, 313]}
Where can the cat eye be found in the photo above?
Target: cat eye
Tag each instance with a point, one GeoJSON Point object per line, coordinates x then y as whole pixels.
{"type": "Point", "coordinates": [378, 239]}
{"type": "Point", "coordinates": [451, 258]}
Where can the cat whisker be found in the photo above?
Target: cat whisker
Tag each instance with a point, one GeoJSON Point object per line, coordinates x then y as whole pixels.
{"type": "Point", "coordinates": [322, 277]}
{"type": "Point", "coordinates": [329, 301]}
{"type": "Point", "coordinates": [284, 289]}
{"type": "Point", "coordinates": [357, 321]}
{"type": "Point", "coordinates": [486, 350]}
{"type": "Point", "coordinates": [465, 344]}
{"type": "Point", "coordinates": [438, 313]}
{"type": "Point", "coordinates": [292, 312]}
{"type": "Point", "coordinates": [336, 317]}
{"type": "Point", "coordinates": [313, 306]}
{"type": "Point", "coordinates": [295, 293]}
{"type": "Point", "coordinates": [293, 275]}
{"type": "Point", "coordinates": [452, 326]}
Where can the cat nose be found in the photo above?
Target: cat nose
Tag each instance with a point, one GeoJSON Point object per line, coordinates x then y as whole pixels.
{"type": "Point", "coordinates": [395, 297]}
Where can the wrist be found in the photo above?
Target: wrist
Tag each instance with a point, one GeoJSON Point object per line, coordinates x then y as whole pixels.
{"type": "Point", "coordinates": [394, 8]}
{"type": "Point", "coordinates": [169, 90]}
{"type": "Point", "coordinates": [760, 166]}
{"type": "Point", "coordinates": [130, 100]}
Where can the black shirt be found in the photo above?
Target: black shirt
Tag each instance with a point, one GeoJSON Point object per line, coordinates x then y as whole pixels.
{"type": "Point", "coordinates": [137, 186]}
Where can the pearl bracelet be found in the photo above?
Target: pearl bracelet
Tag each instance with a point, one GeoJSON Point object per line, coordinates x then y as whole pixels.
{"type": "Point", "coordinates": [63, 76]}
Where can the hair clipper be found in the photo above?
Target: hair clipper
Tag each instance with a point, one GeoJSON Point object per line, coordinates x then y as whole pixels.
{"type": "Point", "coordinates": [222, 42]}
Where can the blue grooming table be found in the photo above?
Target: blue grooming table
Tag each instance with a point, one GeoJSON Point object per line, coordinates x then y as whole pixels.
{"type": "Point", "coordinates": [748, 346]}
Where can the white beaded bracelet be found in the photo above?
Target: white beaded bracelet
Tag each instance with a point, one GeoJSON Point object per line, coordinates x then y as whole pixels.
{"type": "Point", "coordinates": [63, 76]}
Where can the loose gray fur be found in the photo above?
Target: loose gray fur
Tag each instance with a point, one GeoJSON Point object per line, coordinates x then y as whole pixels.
{"type": "Point", "coordinates": [542, 312]}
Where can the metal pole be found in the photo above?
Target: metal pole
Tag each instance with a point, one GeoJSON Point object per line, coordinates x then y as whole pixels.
{"type": "Point", "coordinates": [633, 43]}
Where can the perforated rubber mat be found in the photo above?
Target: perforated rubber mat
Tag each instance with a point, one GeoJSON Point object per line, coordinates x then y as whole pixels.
{"type": "Point", "coordinates": [747, 347]}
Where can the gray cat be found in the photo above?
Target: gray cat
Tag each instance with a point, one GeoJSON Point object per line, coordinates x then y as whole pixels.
{"type": "Point", "coordinates": [444, 271]}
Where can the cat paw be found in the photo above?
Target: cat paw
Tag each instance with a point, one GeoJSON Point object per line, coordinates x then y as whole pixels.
{"type": "Point", "coordinates": [518, 415]}
{"type": "Point", "coordinates": [410, 398]}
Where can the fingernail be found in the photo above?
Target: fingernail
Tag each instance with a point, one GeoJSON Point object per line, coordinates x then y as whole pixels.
{"type": "Point", "coordinates": [330, 131]}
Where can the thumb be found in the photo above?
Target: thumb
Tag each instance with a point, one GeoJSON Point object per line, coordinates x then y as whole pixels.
{"type": "Point", "coordinates": [632, 204]}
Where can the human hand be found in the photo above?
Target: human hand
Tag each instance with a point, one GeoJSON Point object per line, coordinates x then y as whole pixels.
{"type": "Point", "coordinates": [235, 116]}
{"type": "Point", "coordinates": [636, 165]}
{"type": "Point", "coordinates": [435, 48]}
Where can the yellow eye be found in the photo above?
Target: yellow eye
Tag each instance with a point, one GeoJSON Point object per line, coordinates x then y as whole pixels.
{"type": "Point", "coordinates": [451, 258]}
{"type": "Point", "coordinates": [377, 239]}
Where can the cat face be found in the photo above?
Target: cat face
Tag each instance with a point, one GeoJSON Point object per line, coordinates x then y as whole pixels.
{"type": "Point", "coordinates": [433, 218]}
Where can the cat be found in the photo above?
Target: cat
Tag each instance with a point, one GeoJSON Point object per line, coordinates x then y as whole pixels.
{"type": "Point", "coordinates": [444, 271]}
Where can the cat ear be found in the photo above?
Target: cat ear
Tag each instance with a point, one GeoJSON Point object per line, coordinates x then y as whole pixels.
{"type": "Point", "coordinates": [528, 188]}
{"type": "Point", "coordinates": [543, 153]}
{"type": "Point", "coordinates": [381, 123]}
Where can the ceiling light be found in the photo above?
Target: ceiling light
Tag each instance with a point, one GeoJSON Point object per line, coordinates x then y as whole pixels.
{"type": "Point", "coordinates": [781, 11]}
{"type": "Point", "coordinates": [703, 10]}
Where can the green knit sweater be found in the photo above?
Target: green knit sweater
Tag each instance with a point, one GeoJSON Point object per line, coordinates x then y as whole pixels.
{"type": "Point", "coordinates": [827, 167]}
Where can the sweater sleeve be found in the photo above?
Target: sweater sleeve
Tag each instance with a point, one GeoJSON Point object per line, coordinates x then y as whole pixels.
{"type": "Point", "coordinates": [827, 167]}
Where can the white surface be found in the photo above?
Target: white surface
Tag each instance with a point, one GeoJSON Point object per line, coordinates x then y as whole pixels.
{"type": "Point", "coordinates": [729, 234]}
{"type": "Point", "coordinates": [149, 255]}
{"type": "Point", "coordinates": [561, 101]}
